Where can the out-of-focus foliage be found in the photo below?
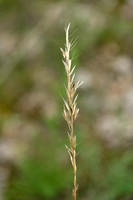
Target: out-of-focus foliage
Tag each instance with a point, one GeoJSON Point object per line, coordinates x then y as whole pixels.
{"type": "Point", "coordinates": [33, 161]}
{"type": "Point", "coordinates": [40, 175]}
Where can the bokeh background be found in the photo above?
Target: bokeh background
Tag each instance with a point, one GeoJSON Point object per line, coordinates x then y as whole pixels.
{"type": "Point", "coordinates": [34, 163]}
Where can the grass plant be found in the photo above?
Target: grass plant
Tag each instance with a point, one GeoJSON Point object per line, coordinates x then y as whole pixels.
{"type": "Point", "coordinates": [70, 106]}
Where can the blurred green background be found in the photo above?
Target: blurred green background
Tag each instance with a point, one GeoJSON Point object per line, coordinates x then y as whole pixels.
{"type": "Point", "coordinates": [34, 164]}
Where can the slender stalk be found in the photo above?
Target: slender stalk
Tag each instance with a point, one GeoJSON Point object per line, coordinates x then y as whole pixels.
{"type": "Point", "coordinates": [70, 106]}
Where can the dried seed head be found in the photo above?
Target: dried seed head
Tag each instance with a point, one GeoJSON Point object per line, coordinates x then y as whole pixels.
{"type": "Point", "coordinates": [70, 105]}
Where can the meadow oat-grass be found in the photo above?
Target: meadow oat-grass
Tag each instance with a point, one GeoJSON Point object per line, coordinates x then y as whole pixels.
{"type": "Point", "coordinates": [70, 106]}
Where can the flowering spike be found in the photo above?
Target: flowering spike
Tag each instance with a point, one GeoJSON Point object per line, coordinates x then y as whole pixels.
{"type": "Point", "coordinates": [70, 105]}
